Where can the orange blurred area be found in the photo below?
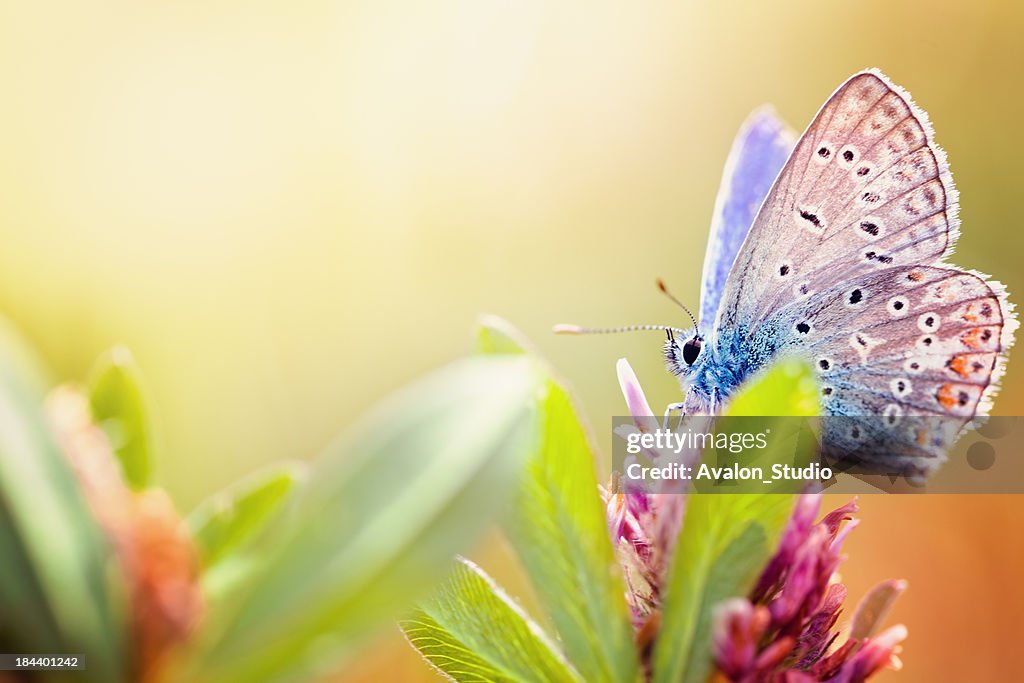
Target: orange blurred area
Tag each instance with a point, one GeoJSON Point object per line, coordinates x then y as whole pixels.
{"type": "Point", "coordinates": [287, 210]}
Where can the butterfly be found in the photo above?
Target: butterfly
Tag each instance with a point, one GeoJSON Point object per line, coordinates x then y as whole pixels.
{"type": "Point", "coordinates": [833, 248]}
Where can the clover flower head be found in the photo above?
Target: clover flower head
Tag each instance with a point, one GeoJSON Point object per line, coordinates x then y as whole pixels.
{"type": "Point", "coordinates": [785, 630]}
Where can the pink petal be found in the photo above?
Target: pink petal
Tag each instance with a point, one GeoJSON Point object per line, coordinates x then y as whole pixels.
{"type": "Point", "coordinates": [636, 402]}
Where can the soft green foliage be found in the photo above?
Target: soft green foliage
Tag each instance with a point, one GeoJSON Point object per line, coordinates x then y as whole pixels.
{"type": "Point", "coordinates": [474, 633]}
{"type": "Point", "coordinates": [787, 389]}
{"type": "Point", "coordinates": [227, 522]}
{"type": "Point", "coordinates": [726, 538]}
{"type": "Point", "coordinates": [382, 514]}
{"type": "Point", "coordinates": [497, 336]}
{"type": "Point", "coordinates": [226, 526]}
{"type": "Point", "coordinates": [118, 404]}
{"type": "Point", "coordinates": [769, 403]}
{"type": "Point", "coordinates": [296, 583]}
{"type": "Point", "coordinates": [56, 593]}
{"type": "Point", "coordinates": [560, 532]}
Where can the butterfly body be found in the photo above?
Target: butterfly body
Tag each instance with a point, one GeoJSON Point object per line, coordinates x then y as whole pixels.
{"type": "Point", "coordinates": [834, 249]}
{"type": "Point", "coordinates": [724, 363]}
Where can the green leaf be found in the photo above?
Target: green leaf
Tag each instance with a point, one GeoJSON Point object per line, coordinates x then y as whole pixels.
{"type": "Point", "coordinates": [782, 404]}
{"type": "Point", "coordinates": [726, 538]}
{"type": "Point", "coordinates": [560, 531]}
{"type": "Point", "coordinates": [474, 633]}
{"type": "Point", "coordinates": [495, 336]}
{"type": "Point", "coordinates": [221, 581]}
{"type": "Point", "coordinates": [382, 515]}
{"type": "Point", "coordinates": [787, 389]}
{"type": "Point", "coordinates": [225, 524]}
{"type": "Point", "coordinates": [55, 590]}
{"type": "Point", "coordinates": [118, 403]}
{"type": "Point", "coordinates": [725, 541]}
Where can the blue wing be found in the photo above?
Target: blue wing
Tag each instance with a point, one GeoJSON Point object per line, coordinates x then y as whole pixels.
{"type": "Point", "coordinates": [758, 154]}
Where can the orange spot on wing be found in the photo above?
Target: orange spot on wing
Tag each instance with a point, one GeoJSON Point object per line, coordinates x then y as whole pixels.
{"type": "Point", "coordinates": [946, 396]}
{"type": "Point", "coordinates": [976, 310]}
{"type": "Point", "coordinates": [959, 365]}
{"type": "Point", "coordinates": [976, 338]}
{"type": "Point", "coordinates": [972, 365]}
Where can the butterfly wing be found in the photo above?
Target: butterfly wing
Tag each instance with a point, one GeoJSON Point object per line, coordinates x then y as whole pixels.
{"type": "Point", "coordinates": [865, 188]}
{"type": "Point", "coordinates": [916, 347]}
{"type": "Point", "coordinates": [844, 264]}
{"type": "Point", "coordinates": [758, 153]}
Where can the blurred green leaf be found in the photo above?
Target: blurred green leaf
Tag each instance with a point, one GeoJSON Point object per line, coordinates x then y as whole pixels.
{"type": "Point", "coordinates": [470, 630]}
{"type": "Point", "coordinates": [118, 404]}
{"type": "Point", "coordinates": [788, 388]}
{"type": "Point", "coordinates": [560, 531]}
{"type": "Point", "coordinates": [379, 521]}
{"type": "Point", "coordinates": [56, 593]}
{"type": "Point", "coordinates": [221, 581]}
{"type": "Point", "coordinates": [726, 538]}
{"type": "Point", "coordinates": [226, 523]}
{"type": "Point", "coordinates": [769, 404]}
{"type": "Point", "coordinates": [496, 336]}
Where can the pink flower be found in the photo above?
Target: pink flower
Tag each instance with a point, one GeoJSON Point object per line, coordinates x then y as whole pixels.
{"type": "Point", "coordinates": [785, 630]}
{"type": "Point", "coordinates": [643, 526]}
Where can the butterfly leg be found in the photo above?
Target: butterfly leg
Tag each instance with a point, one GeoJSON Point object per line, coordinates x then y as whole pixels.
{"type": "Point", "coordinates": [716, 400]}
{"type": "Point", "coordinates": [671, 408]}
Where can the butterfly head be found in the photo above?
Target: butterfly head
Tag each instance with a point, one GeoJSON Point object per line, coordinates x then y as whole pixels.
{"type": "Point", "coordinates": [682, 352]}
{"type": "Point", "coordinates": [680, 357]}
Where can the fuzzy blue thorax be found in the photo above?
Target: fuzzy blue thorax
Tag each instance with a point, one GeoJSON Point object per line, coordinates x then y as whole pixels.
{"type": "Point", "coordinates": [719, 367]}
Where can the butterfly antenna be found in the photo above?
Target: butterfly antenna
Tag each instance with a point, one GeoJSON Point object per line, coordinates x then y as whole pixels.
{"type": "Point", "coordinates": [670, 295]}
{"type": "Point", "coordinates": [576, 329]}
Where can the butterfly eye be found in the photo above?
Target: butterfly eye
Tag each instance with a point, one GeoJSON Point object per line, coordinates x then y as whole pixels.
{"type": "Point", "coordinates": [691, 350]}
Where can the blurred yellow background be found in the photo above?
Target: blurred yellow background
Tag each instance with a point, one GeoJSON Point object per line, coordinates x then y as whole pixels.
{"type": "Point", "coordinates": [287, 210]}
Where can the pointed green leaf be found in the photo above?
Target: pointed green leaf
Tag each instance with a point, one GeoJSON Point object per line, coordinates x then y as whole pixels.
{"type": "Point", "coordinates": [495, 335]}
{"type": "Point", "coordinates": [226, 523]}
{"type": "Point", "coordinates": [726, 538]}
{"type": "Point", "coordinates": [118, 403]}
{"type": "Point", "coordinates": [55, 592]}
{"type": "Point", "coordinates": [474, 633]}
{"type": "Point", "coordinates": [382, 515]}
{"type": "Point", "coordinates": [561, 533]}
{"type": "Point", "coordinates": [789, 389]}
